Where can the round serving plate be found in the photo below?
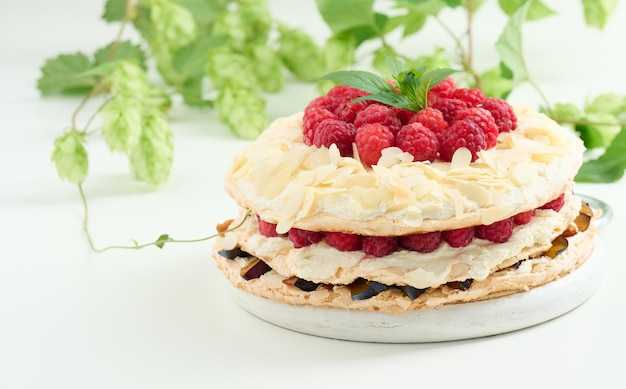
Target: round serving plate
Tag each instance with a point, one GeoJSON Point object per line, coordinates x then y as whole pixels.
{"type": "Point", "coordinates": [445, 323]}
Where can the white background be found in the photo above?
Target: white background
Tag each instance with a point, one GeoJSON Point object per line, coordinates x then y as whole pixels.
{"type": "Point", "coordinates": [70, 318]}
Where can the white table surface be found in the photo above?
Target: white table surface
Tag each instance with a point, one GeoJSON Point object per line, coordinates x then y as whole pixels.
{"type": "Point", "coordinates": [153, 318]}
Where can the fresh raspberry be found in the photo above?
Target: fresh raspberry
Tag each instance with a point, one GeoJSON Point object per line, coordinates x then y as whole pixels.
{"type": "Point", "coordinates": [423, 243]}
{"type": "Point", "coordinates": [498, 232]}
{"type": "Point", "coordinates": [343, 242]}
{"type": "Point", "coordinates": [462, 133]}
{"type": "Point", "coordinates": [301, 238]}
{"type": "Point", "coordinates": [555, 204]}
{"type": "Point", "coordinates": [267, 229]}
{"type": "Point", "coordinates": [379, 246]}
{"type": "Point", "coordinates": [326, 102]}
{"type": "Point", "coordinates": [472, 96]}
{"type": "Point", "coordinates": [404, 115]}
{"type": "Point", "coordinates": [347, 110]}
{"type": "Point", "coordinates": [502, 112]}
{"type": "Point", "coordinates": [432, 119]}
{"type": "Point", "coordinates": [444, 90]}
{"type": "Point", "coordinates": [523, 217]}
{"type": "Point", "coordinates": [418, 141]}
{"type": "Point", "coordinates": [370, 141]}
{"type": "Point", "coordinates": [311, 120]}
{"type": "Point", "coordinates": [378, 113]}
{"type": "Point", "coordinates": [485, 121]}
{"type": "Point", "coordinates": [338, 132]}
{"type": "Point", "coordinates": [449, 107]}
{"type": "Point", "coordinates": [346, 92]}
{"type": "Point", "coordinates": [460, 237]}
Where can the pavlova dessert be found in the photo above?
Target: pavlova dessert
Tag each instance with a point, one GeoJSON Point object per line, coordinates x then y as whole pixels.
{"type": "Point", "coordinates": [396, 196]}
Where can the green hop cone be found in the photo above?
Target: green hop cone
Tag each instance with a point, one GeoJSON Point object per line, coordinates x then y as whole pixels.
{"type": "Point", "coordinates": [172, 25]}
{"type": "Point", "coordinates": [225, 68]}
{"type": "Point", "coordinates": [267, 67]}
{"type": "Point", "coordinates": [300, 54]}
{"type": "Point", "coordinates": [566, 112]}
{"type": "Point", "coordinates": [121, 123]}
{"type": "Point", "coordinates": [339, 51]}
{"type": "Point", "coordinates": [129, 79]}
{"type": "Point", "coordinates": [230, 25]}
{"type": "Point", "coordinates": [257, 20]}
{"type": "Point", "coordinates": [151, 159]}
{"type": "Point", "coordinates": [243, 111]}
{"type": "Point", "coordinates": [70, 157]}
{"type": "Point", "coordinates": [607, 103]}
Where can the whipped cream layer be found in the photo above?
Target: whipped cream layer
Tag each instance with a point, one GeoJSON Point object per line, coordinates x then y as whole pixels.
{"type": "Point", "coordinates": [294, 185]}
{"type": "Point", "coordinates": [322, 263]}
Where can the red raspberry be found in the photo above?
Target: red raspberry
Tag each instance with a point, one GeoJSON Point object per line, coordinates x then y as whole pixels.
{"type": "Point", "coordinates": [462, 133]}
{"type": "Point", "coordinates": [267, 229]}
{"type": "Point", "coordinates": [311, 120]}
{"type": "Point", "coordinates": [378, 113]}
{"type": "Point", "coordinates": [523, 217]}
{"type": "Point", "coordinates": [449, 107]}
{"type": "Point", "coordinates": [422, 243]}
{"type": "Point", "coordinates": [301, 238]}
{"type": "Point", "coordinates": [502, 112]}
{"type": "Point", "coordinates": [343, 242]}
{"type": "Point", "coordinates": [432, 119]}
{"type": "Point", "coordinates": [555, 204]}
{"type": "Point", "coordinates": [338, 132]}
{"type": "Point", "coordinates": [485, 121]}
{"type": "Point", "coordinates": [325, 102]}
{"type": "Point", "coordinates": [379, 246]}
{"type": "Point", "coordinates": [473, 96]}
{"type": "Point", "coordinates": [346, 92]}
{"type": "Point", "coordinates": [418, 141]}
{"type": "Point", "coordinates": [348, 111]}
{"type": "Point", "coordinates": [498, 232]}
{"type": "Point", "coordinates": [404, 115]}
{"type": "Point", "coordinates": [445, 89]}
{"type": "Point", "coordinates": [460, 237]}
{"type": "Point", "coordinates": [370, 141]}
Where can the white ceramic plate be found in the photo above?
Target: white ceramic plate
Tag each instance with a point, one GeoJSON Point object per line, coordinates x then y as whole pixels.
{"type": "Point", "coordinates": [451, 322]}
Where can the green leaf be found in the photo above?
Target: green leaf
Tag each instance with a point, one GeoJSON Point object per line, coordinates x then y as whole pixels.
{"type": "Point", "coordinates": [205, 11]}
{"type": "Point", "coordinates": [610, 166]}
{"type": "Point", "coordinates": [121, 123]}
{"type": "Point", "coordinates": [161, 240]}
{"type": "Point", "coordinates": [344, 15]}
{"type": "Point", "coordinates": [604, 124]}
{"type": "Point", "coordinates": [610, 103]}
{"type": "Point", "coordinates": [63, 75]}
{"type": "Point", "coordinates": [509, 45]}
{"type": "Point", "coordinates": [190, 61]}
{"type": "Point", "coordinates": [70, 157]}
{"type": "Point", "coordinates": [192, 92]}
{"type": "Point", "coordinates": [597, 12]}
{"type": "Point", "coordinates": [389, 98]}
{"type": "Point", "coordinates": [151, 159]}
{"type": "Point", "coordinates": [395, 66]}
{"type": "Point", "coordinates": [365, 81]}
{"type": "Point", "coordinates": [339, 51]}
{"type": "Point", "coordinates": [538, 10]}
{"type": "Point", "coordinates": [494, 84]}
{"type": "Point", "coordinates": [123, 50]}
{"type": "Point", "coordinates": [114, 10]}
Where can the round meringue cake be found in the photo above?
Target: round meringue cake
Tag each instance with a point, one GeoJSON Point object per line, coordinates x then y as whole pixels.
{"type": "Point", "coordinates": [290, 260]}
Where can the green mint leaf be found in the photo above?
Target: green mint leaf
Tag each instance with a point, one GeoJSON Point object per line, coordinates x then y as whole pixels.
{"type": "Point", "coordinates": [395, 66]}
{"type": "Point", "coordinates": [365, 81]}
{"type": "Point", "coordinates": [121, 123]}
{"type": "Point", "coordinates": [161, 240]}
{"type": "Point", "coordinates": [509, 45]}
{"type": "Point", "coordinates": [63, 75]}
{"type": "Point", "coordinates": [300, 54]}
{"type": "Point", "coordinates": [190, 61]}
{"type": "Point", "coordinates": [344, 15]}
{"type": "Point", "coordinates": [597, 12]}
{"type": "Point", "coordinates": [243, 111]}
{"type": "Point", "coordinates": [427, 81]}
{"type": "Point", "coordinates": [123, 50]}
{"type": "Point", "coordinates": [114, 10]}
{"type": "Point", "coordinates": [389, 98]}
{"type": "Point", "coordinates": [70, 157]}
{"type": "Point", "coordinates": [151, 159]}
{"type": "Point", "coordinates": [610, 166]}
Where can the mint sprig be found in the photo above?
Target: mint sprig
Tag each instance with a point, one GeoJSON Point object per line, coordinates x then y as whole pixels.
{"type": "Point", "coordinates": [408, 89]}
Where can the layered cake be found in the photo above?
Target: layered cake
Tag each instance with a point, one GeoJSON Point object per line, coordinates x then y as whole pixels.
{"type": "Point", "coordinates": [358, 205]}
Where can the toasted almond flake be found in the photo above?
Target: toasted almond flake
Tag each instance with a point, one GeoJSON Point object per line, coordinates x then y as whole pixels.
{"type": "Point", "coordinates": [494, 214]}
{"type": "Point", "coordinates": [457, 201]}
{"type": "Point", "coordinates": [475, 192]}
{"type": "Point", "coordinates": [393, 155]}
{"type": "Point", "coordinates": [461, 158]}
{"type": "Point", "coordinates": [276, 184]}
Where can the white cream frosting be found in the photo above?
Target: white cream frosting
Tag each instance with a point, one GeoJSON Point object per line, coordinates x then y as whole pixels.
{"type": "Point", "coordinates": [322, 263]}
{"type": "Point", "coordinates": [291, 184]}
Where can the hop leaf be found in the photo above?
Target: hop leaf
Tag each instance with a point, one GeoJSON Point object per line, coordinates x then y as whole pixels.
{"type": "Point", "coordinates": [63, 74]}
{"type": "Point", "coordinates": [151, 159]}
{"type": "Point", "coordinates": [70, 157]}
{"type": "Point", "coordinates": [121, 123]}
